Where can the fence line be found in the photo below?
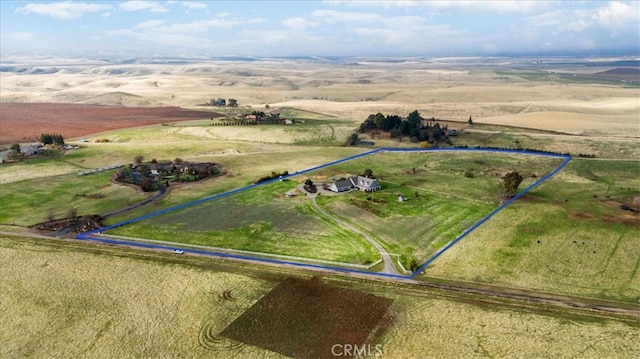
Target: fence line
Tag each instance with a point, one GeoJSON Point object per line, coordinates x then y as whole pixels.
{"type": "Point", "coordinates": [567, 158]}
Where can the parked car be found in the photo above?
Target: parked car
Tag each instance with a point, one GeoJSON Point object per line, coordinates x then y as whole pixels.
{"type": "Point", "coordinates": [178, 251]}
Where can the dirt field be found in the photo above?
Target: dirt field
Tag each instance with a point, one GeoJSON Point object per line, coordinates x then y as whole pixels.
{"type": "Point", "coordinates": [324, 315]}
{"type": "Point", "coordinates": [442, 90]}
{"type": "Point", "coordinates": [24, 122]}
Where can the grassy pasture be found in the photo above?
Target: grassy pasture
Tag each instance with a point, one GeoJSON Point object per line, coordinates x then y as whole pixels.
{"type": "Point", "coordinates": [433, 328]}
{"type": "Point", "coordinates": [496, 136]}
{"type": "Point", "coordinates": [259, 220]}
{"type": "Point", "coordinates": [68, 301]}
{"type": "Point", "coordinates": [262, 220]}
{"type": "Point", "coordinates": [22, 183]}
{"type": "Point", "coordinates": [37, 168]}
{"type": "Point", "coordinates": [28, 202]}
{"type": "Point", "coordinates": [568, 236]}
{"type": "Point", "coordinates": [243, 168]}
{"type": "Point", "coordinates": [447, 203]}
{"type": "Point", "coordinates": [65, 299]}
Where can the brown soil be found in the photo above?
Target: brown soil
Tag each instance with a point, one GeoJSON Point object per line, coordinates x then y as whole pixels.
{"type": "Point", "coordinates": [24, 122]}
{"type": "Point", "coordinates": [620, 216]}
{"type": "Point", "coordinates": [306, 318]}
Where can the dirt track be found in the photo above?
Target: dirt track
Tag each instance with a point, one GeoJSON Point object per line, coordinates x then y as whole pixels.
{"type": "Point", "coordinates": [24, 122]}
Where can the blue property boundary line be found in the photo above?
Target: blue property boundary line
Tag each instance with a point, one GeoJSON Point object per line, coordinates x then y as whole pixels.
{"type": "Point", "coordinates": [88, 235]}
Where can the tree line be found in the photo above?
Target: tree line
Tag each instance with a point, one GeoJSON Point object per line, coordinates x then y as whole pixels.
{"type": "Point", "coordinates": [413, 126]}
{"type": "Point", "coordinates": [52, 138]}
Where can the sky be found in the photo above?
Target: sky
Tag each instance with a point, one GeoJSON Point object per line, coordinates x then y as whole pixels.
{"type": "Point", "coordinates": [319, 28]}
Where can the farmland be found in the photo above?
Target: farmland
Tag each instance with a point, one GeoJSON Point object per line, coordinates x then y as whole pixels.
{"type": "Point", "coordinates": [74, 121]}
{"type": "Point", "coordinates": [569, 237]}
{"type": "Point", "coordinates": [29, 202]}
{"type": "Point", "coordinates": [444, 203]}
{"type": "Point", "coordinates": [79, 293]}
{"type": "Point", "coordinates": [257, 221]}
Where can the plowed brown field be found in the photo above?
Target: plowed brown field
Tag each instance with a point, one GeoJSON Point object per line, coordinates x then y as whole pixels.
{"type": "Point", "coordinates": [24, 122]}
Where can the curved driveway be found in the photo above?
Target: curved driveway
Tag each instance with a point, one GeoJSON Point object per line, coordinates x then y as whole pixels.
{"type": "Point", "coordinates": [389, 268]}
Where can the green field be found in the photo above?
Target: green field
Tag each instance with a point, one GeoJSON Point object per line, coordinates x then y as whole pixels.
{"type": "Point", "coordinates": [441, 202]}
{"type": "Point", "coordinates": [260, 220]}
{"type": "Point", "coordinates": [568, 236]}
{"type": "Point", "coordinates": [29, 202]}
{"type": "Point", "coordinates": [263, 220]}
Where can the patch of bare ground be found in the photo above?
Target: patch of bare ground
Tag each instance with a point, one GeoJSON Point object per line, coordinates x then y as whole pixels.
{"type": "Point", "coordinates": [306, 318]}
{"type": "Point", "coordinates": [24, 122]}
{"type": "Point", "coordinates": [627, 214]}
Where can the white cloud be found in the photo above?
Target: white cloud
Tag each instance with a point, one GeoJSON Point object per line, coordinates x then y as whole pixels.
{"type": "Point", "coordinates": [193, 5]}
{"type": "Point", "coordinates": [496, 7]}
{"type": "Point", "coordinates": [298, 23]}
{"type": "Point", "coordinates": [346, 16]}
{"type": "Point", "coordinates": [577, 25]}
{"type": "Point", "coordinates": [63, 10]}
{"type": "Point", "coordinates": [137, 5]}
{"type": "Point", "coordinates": [149, 24]}
{"type": "Point", "coordinates": [159, 33]}
{"type": "Point", "coordinates": [21, 36]}
{"type": "Point", "coordinates": [384, 4]}
{"type": "Point", "coordinates": [617, 15]}
{"type": "Point", "coordinates": [551, 18]}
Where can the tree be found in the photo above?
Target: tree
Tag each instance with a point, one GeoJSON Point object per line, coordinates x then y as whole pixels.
{"type": "Point", "coordinates": [72, 212]}
{"type": "Point", "coordinates": [470, 121]}
{"type": "Point", "coordinates": [177, 161]}
{"type": "Point", "coordinates": [58, 140]}
{"type": "Point", "coordinates": [511, 181]}
{"type": "Point", "coordinates": [309, 186]}
{"type": "Point", "coordinates": [378, 120]}
{"type": "Point", "coordinates": [15, 147]}
{"type": "Point", "coordinates": [413, 264]}
{"type": "Point", "coordinates": [414, 119]}
{"type": "Point", "coordinates": [353, 139]}
{"type": "Point", "coordinates": [368, 173]}
{"type": "Point", "coordinates": [146, 185]}
{"type": "Point", "coordinates": [138, 159]}
{"type": "Point", "coordinates": [233, 102]}
{"type": "Point", "coordinates": [49, 139]}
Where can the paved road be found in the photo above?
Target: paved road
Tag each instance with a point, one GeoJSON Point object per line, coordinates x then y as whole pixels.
{"type": "Point", "coordinates": [389, 268]}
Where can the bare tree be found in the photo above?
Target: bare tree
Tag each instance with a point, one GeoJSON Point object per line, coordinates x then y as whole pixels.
{"type": "Point", "coordinates": [72, 213]}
